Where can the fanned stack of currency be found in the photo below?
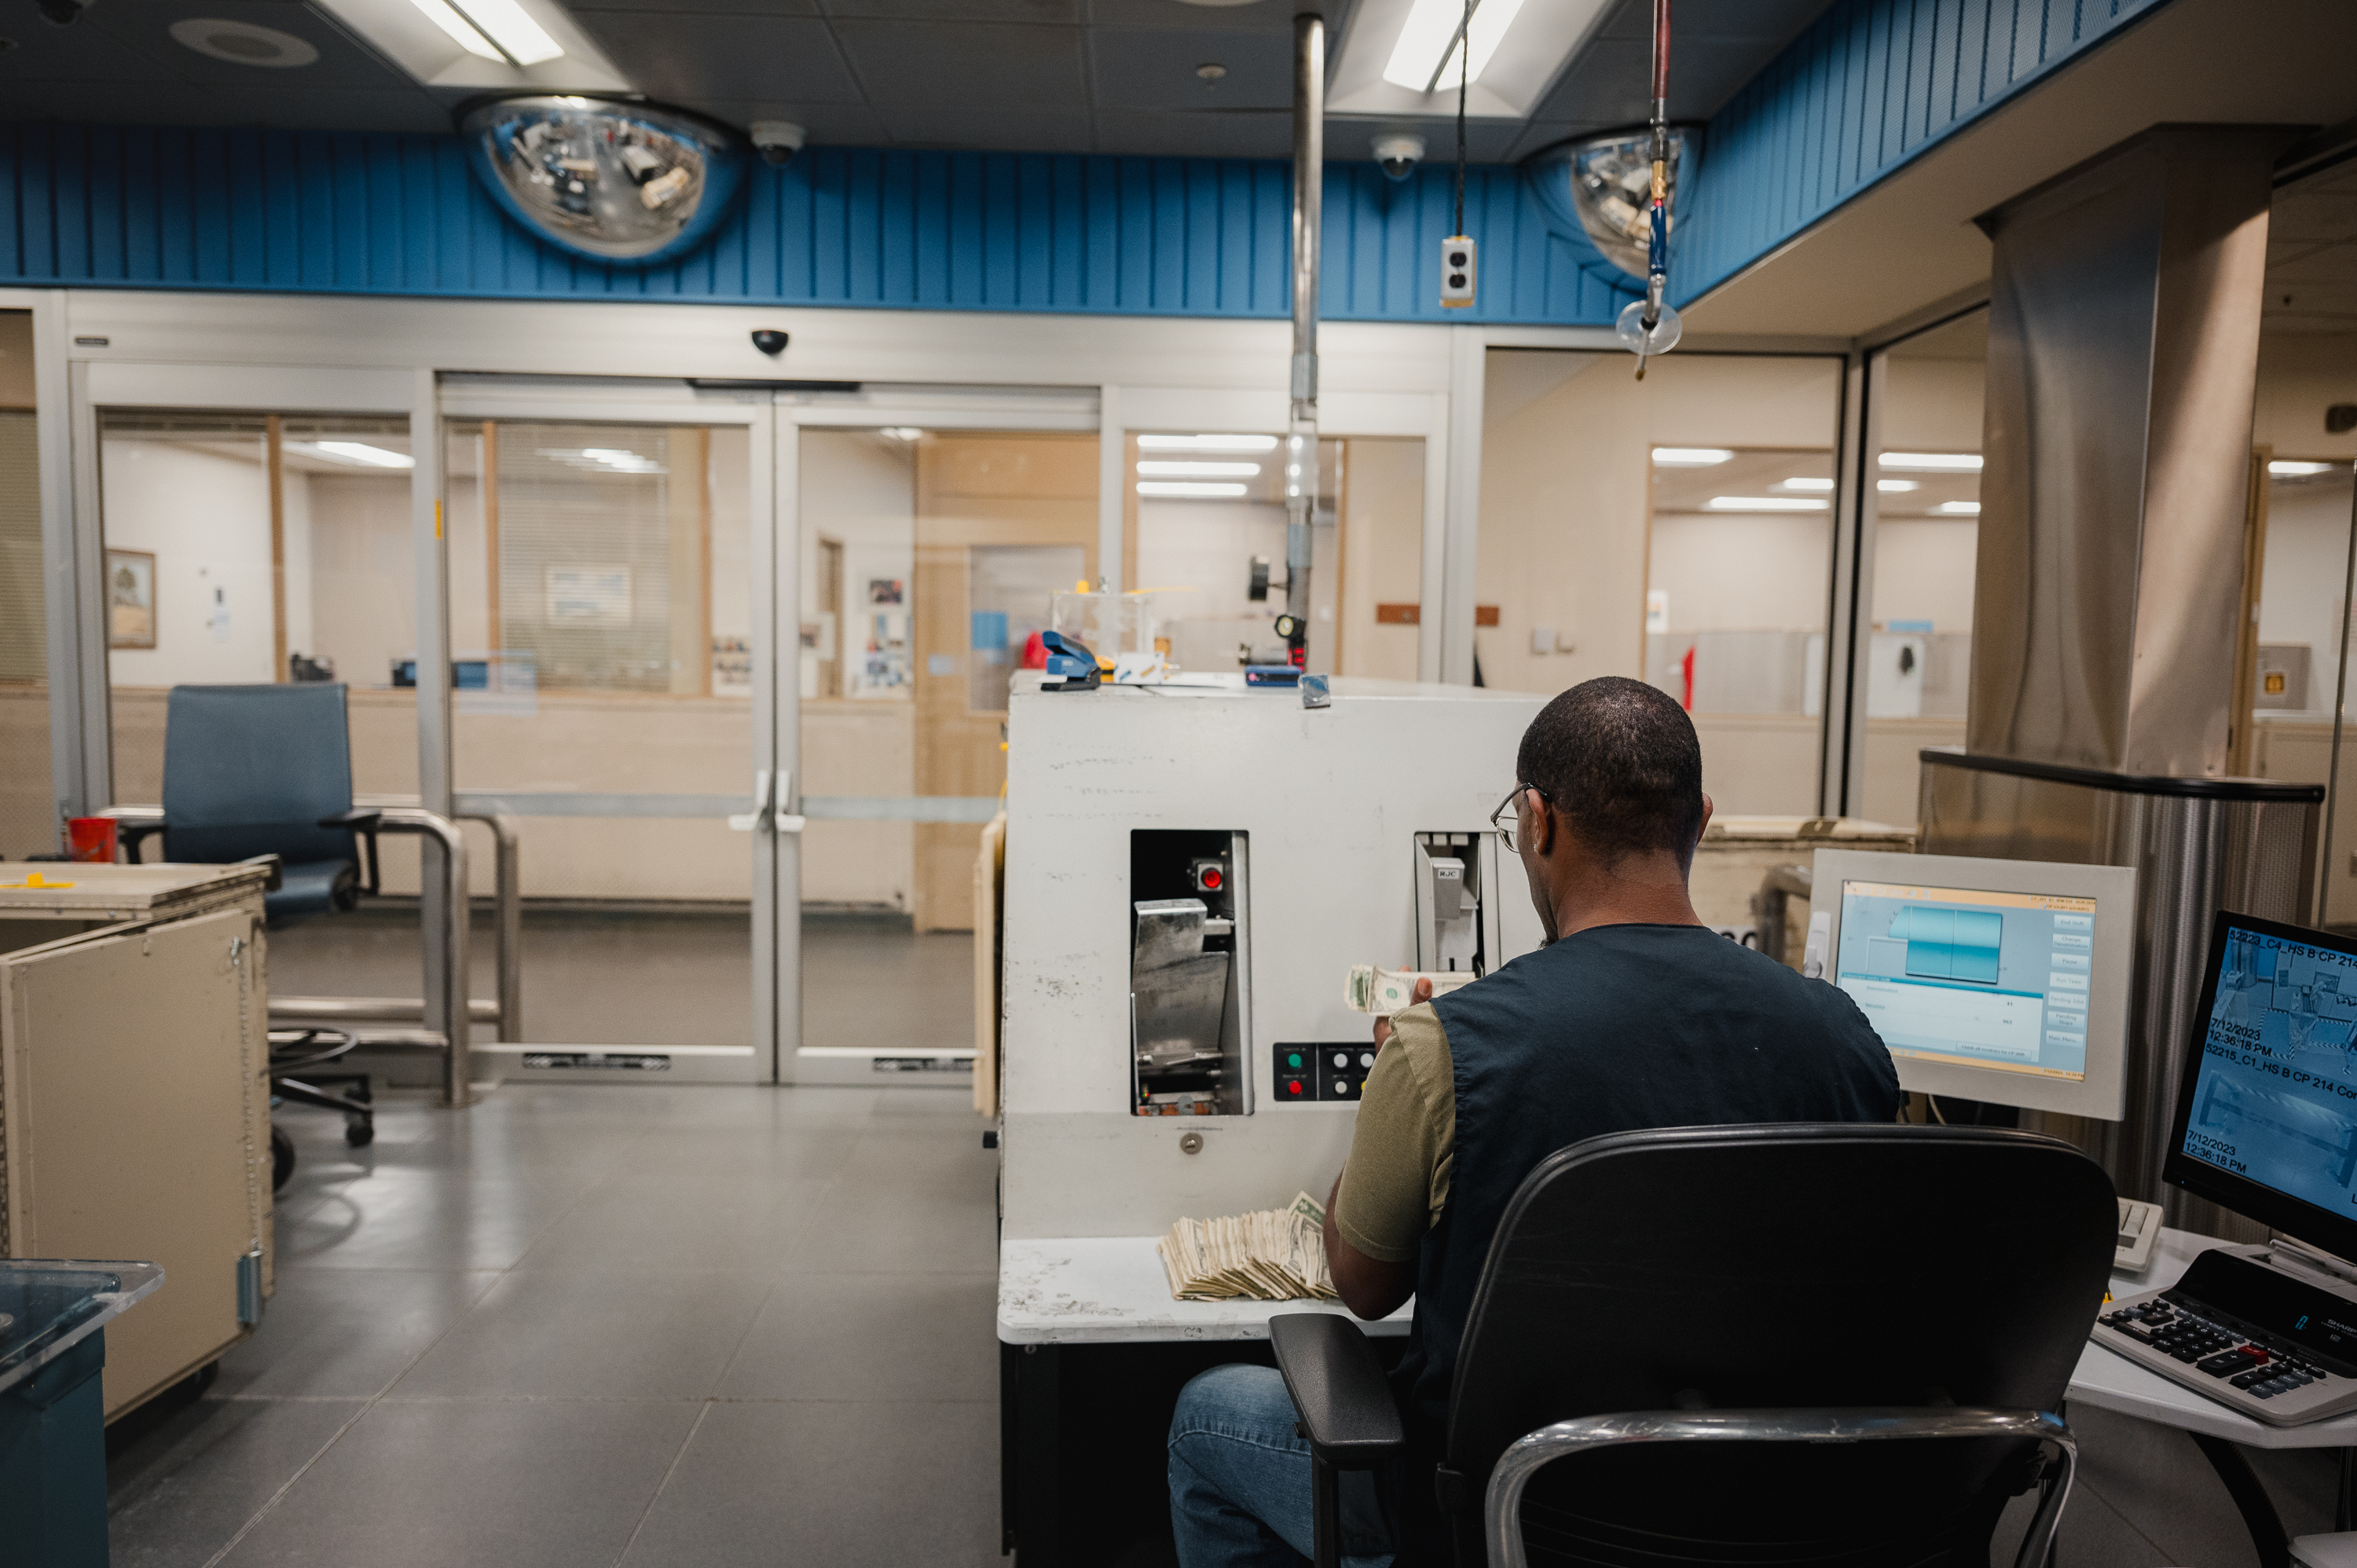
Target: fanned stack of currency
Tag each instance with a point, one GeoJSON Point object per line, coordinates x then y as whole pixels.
{"type": "Point", "coordinates": [1275, 1255]}
{"type": "Point", "coordinates": [1388, 991]}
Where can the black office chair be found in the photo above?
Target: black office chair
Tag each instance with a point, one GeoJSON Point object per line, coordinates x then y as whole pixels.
{"type": "Point", "coordinates": [1729, 1328]}
{"type": "Point", "coordinates": [266, 772]}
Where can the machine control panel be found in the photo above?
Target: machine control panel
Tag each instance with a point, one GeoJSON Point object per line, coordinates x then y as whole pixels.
{"type": "Point", "coordinates": [1328, 1071]}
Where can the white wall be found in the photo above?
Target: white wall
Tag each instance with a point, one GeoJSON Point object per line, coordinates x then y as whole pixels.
{"type": "Point", "coordinates": [861, 489]}
{"type": "Point", "coordinates": [1924, 570]}
{"type": "Point", "coordinates": [1201, 552]}
{"type": "Point", "coordinates": [205, 516]}
{"type": "Point", "coordinates": [1382, 554]}
{"type": "Point", "coordinates": [363, 578]}
{"type": "Point", "coordinates": [1737, 573]}
{"type": "Point", "coordinates": [2300, 588]}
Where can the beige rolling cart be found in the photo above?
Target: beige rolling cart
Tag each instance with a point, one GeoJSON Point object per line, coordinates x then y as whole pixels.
{"type": "Point", "coordinates": [135, 1097]}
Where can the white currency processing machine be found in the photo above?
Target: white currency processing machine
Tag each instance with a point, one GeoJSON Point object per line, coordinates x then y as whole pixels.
{"type": "Point", "coordinates": [1190, 877]}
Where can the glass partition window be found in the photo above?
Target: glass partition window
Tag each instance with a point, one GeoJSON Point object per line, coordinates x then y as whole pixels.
{"type": "Point", "coordinates": [29, 817]}
{"type": "Point", "coordinates": [1918, 637]}
{"type": "Point", "coordinates": [1678, 530]}
{"type": "Point", "coordinates": [256, 548]}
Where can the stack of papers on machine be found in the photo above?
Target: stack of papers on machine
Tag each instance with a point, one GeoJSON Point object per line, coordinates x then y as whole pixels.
{"type": "Point", "coordinates": [1277, 1254]}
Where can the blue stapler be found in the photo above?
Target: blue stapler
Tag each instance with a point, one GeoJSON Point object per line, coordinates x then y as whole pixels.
{"type": "Point", "coordinates": [1071, 667]}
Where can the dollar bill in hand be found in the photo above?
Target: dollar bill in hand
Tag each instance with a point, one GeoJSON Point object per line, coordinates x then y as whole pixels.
{"type": "Point", "coordinates": [1372, 989]}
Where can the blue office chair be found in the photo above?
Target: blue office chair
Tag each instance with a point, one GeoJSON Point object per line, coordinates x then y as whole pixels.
{"type": "Point", "coordinates": [265, 770]}
{"type": "Point", "coordinates": [254, 771]}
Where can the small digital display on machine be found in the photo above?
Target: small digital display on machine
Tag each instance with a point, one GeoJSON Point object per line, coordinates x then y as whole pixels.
{"type": "Point", "coordinates": [1973, 977]}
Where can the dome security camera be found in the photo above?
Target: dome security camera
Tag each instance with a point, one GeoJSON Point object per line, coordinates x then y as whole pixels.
{"type": "Point", "coordinates": [777, 141]}
{"type": "Point", "coordinates": [769, 340]}
{"type": "Point", "coordinates": [1399, 154]}
{"type": "Point", "coordinates": [61, 13]}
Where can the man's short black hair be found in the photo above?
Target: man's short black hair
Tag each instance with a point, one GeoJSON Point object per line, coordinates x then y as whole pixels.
{"type": "Point", "coordinates": [1620, 760]}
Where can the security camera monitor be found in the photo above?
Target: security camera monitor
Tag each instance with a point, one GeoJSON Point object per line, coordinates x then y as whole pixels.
{"type": "Point", "coordinates": [2267, 1107]}
{"type": "Point", "coordinates": [2000, 980]}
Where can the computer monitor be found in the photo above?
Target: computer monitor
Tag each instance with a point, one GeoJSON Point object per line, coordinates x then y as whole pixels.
{"type": "Point", "coordinates": [2266, 1104]}
{"type": "Point", "coordinates": [2001, 980]}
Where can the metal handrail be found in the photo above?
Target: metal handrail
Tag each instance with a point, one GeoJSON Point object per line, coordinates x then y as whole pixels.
{"type": "Point", "coordinates": [1527, 1453]}
{"type": "Point", "coordinates": [455, 1036]}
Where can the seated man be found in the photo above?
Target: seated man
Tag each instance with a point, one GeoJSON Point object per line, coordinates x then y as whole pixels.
{"type": "Point", "coordinates": [1634, 1014]}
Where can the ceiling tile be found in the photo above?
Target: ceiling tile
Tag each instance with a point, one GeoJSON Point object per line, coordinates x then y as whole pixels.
{"type": "Point", "coordinates": [1138, 69]}
{"type": "Point", "coordinates": [1065, 12]}
{"type": "Point", "coordinates": [965, 64]}
{"type": "Point", "coordinates": [703, 7]}
{"type": "Point", "coordinates": [2306, 214]}
{"type": "Point", "coordinates": [345, 109]}
{"type": "Point", "coordinates": [143, 28]}
{"type": "Point", "coordinates": [677, 56]}
{"type": "Point", "coordinates": [1258, 17]}
{"type": "Point", "coordinates": [172, 104]}
{"type": "Point", "coordinates": [1047, 131]}
{"type": "Point", "coordinates": [826, 124]}
{"type": "Point", "coordinates": [1537, 135]}
{"type": "Point", "coordinates": [1611, 79]}
{"type": "Point", "coordinates": [1243, 135]}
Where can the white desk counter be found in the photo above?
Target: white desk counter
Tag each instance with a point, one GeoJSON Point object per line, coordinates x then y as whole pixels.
{"type": "Point", "coordinates": [1111, 1290]}
{"type": "Point", "coordinates": [2110, 1381]}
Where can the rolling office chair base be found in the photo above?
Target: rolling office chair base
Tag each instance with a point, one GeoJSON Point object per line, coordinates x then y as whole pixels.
{"type": "Point", "coordinates": [299, 1050]}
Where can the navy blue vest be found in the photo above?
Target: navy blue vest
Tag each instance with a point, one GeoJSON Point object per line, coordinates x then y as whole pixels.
{"type": "Point", "coordinates": [1612, 1030]}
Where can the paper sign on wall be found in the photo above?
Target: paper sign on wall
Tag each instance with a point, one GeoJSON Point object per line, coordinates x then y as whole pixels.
{"type": "Point", "coordinates": [589, 596]}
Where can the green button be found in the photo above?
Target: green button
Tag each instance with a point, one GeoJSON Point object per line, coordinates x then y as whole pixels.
{"type": "Point", "coordinates": [1293, 1060]}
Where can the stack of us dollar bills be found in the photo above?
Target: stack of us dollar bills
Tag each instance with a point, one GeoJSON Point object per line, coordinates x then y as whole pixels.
{"type": "Point", "coordinates": [1275, 1255]}
{"type": "Point", "coordinates": [1389, 991]}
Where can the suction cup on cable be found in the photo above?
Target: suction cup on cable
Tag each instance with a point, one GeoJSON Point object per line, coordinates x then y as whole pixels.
{"type": "Point", "coordinates": [1630, 329]}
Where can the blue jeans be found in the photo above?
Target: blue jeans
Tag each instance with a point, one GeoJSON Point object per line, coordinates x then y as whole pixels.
{"type": "Point", "coordinates": [1240, 1480]}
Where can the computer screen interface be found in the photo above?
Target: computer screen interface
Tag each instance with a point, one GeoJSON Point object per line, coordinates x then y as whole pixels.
{"type": "Point", "coordinates": [2273, 1099]}
{"type": "Point", "coordinates": [1971, 977]}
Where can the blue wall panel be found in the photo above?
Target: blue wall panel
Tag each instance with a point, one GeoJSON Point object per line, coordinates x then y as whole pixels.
{"type": "Point", "coordinates": [1870, 85]}
{"type": "Point", "coordinates": [339, 213]}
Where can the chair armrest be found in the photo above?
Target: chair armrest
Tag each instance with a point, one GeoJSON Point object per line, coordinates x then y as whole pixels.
{"type": "Point", "coordinates": [363, 821]}
{"type": "Point", "coordinates": [274, 864]}
{"type": "Point", "coordinates": [132, 832]}
{"type": "Point", "coordinates": [1339, 1388]}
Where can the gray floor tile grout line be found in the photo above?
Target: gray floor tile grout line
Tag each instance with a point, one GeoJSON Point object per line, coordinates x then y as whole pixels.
{"type": "Point", "coordinates": [370, 1403]}
{"type": "Point", "coordinates": [656, 1495]}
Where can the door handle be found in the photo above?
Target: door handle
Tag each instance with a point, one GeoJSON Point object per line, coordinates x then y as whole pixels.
{"type": "Point", "coordinates": [764, 814]}
{"type": "Point", "coordinates": [758, 818]}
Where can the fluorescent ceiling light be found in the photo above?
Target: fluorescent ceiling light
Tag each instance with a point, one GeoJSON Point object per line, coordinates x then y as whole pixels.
{"type": "Point", "coordinates": [1690, 457]}
{"type": "Point", "coordinates": [523, 40]}
{"type": "Point", "coordinates": [462, 32]}
{"type": "Point", "coordinates": [354, 452]}
{"type": "Point", "coordinates": [1933, 462]}
{"type": "Point", "coordinates": [1895, 487]}
{"type": "Point", "coordinates": [2288, 469]}
{"type": "Point", "coordinates": [1207, 443]}
{"type": "Point", "coordinates": [1176, 489]}
{"type": "Point", "coordinates": [1798, 484]}
{"type": "Point", "coordinates": [1428, 58]}
{"type": "Point", "coordinates": [1959, 509]}
{"type": "Point", "coordinates": [901, 433]}
{"type": "Point", "coordinates": [1765, 503]}
{"type": "Point", "coordinates": [1183, 470]}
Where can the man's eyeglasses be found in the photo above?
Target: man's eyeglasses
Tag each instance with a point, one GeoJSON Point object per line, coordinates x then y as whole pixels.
{"type": "Point", "coordinates": [1508, 816]}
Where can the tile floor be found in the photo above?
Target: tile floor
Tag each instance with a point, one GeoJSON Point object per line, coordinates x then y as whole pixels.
{"type": "Point", "coordinates": [626, 1325]}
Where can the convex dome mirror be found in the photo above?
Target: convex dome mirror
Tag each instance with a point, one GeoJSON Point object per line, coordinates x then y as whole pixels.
{"type": "Point", "coordinates": [1600, 185]}
{"type": "Point", "coordinates": [620, 182]}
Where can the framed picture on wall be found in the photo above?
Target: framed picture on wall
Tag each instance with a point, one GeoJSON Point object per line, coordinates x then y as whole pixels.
{"type": "Point", "coordinates": [130, 599]}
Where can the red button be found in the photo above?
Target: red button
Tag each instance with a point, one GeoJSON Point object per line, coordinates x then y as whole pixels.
{"type": "Point", "coordinates": [1212, 879]}
{"type": "Point", "coordinates": [1294, 1087]}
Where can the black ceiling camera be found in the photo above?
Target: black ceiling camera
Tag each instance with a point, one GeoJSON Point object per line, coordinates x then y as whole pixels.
{"type": "Point", "coordinates": [2341, 419]}
{"type": "Point", "coordinates": [58, 13]}
{"type": "Point", "coordinates": [769, 340]}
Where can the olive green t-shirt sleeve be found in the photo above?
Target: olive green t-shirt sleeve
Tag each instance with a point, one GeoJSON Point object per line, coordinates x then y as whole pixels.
{"type": "Point", "coordinates": [1397, 1176]}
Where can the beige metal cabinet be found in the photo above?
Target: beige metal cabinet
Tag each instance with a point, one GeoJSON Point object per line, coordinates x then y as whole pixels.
{"type": "Point", "coordinates": [134, 1103]}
